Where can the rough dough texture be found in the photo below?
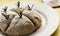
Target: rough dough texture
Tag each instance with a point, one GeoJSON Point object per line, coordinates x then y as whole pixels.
{"type": "Point", "coordinates": [34, 16]}
{"type": "Point", "coordinates": [4, 22]}
{"type": "Point", "coordinates": [20, 26]}
{"type": "Point", "coordinates": [15, 25]}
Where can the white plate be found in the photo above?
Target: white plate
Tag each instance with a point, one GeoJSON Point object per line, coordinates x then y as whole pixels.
{"type": "Point", "coordinates": [48, 15]}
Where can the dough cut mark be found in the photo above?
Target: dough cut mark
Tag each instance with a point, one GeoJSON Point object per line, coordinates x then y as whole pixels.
{"type": "Point", "coordinates": [8, 24]}
{"type": "Point", "coordinates": [30, 20]}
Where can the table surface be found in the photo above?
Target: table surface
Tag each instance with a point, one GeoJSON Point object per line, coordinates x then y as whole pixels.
{"type": "Point", "coordinates": [56, 33]}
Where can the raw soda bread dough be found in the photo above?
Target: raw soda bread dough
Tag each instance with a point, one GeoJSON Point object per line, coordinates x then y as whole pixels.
{"type": "Point", "coordinates": [26, 21]}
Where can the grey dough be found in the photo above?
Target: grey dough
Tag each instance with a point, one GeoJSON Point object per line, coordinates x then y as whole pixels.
{"type": "Point", "coordinates": [15, 25]}
{"type": "Point", "coordinates": [4, 22]}
{"type": "Point", "coordinates": [34, 16]}
{"type": "Point", "coordinates": [20, 26]}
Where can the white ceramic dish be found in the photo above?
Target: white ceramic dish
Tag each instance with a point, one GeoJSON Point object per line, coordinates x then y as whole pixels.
{"type": "Point", "coordinates": [48, 15]}
{"type": "Point", "coordinates": [52, 3]}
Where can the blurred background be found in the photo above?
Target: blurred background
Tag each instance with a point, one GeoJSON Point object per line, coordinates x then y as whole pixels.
{"type": "Point", "coordinates": [56, 8]}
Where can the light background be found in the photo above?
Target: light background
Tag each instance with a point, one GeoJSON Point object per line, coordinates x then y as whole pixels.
{"type": "Point", "coordinates": [56, 33]}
